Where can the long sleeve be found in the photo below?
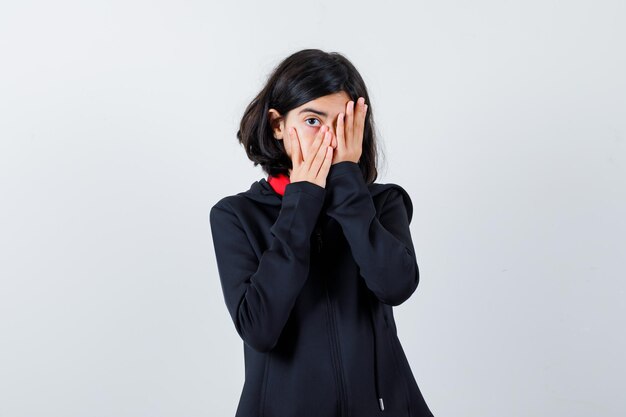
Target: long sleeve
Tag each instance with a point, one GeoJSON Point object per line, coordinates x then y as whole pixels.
{"type": "Point", "coordinates": [260, 293]}
{"type": "Point", "coordinates": [381, 246]}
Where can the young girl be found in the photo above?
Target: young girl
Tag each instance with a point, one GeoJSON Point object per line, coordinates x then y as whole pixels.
{"type": "Point", "coordinates": [312, 260]}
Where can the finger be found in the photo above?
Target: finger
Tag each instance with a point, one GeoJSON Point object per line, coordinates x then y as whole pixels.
{"type": "Point", "coordinates": [315, 145]}
{"type": "Point", "coordinates": [328, 160]}
{"type": "Point", "coordinates": [333, 139]}
{"type": "Point", "coordinates": [363, 130]}
{"type": "Point", "coordinates": [341, 139]}
{"type": "Point", "coordinates": [349, 123]}
{"type": "Point", "coordinates": [296, 150]}
{"type": "Point", "coordinates": [359, 121]}
{"type": "Point", "coordinates": [320, 154]}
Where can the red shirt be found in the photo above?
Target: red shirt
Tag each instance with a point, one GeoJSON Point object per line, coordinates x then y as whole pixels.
{"type": "Point", "coordinates": [279, 182]}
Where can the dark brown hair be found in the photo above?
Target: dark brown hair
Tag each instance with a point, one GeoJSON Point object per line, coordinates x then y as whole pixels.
{"type": "Point", "coordinates": [303, 76]}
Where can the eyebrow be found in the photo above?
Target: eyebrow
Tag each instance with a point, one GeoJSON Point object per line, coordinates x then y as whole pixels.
{"type": "Point", "coordinates": [321, 113]}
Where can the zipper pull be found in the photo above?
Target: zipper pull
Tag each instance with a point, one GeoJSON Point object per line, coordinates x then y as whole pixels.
{"type": "Point", "coordinates": [381, 404]}
{"type": "Point", "coordinates": [318, 234]}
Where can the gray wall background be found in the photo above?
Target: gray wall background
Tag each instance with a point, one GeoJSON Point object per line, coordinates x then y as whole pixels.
{"type": "Point", "coordinates": [505, 121]}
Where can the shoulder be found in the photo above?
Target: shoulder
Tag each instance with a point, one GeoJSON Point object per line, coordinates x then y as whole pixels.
{"type": "Point", "coordinates": [235, 202]}
{"type": "Point", "coordinates": [222, 210]}
{"type": "Point", "coordinates": [259, 192]}
{"type": "Point", "coordinates": [392, 192]}
{"type": "Point", "coordinates": [226, 203]}
{"type": "Point", "coordinates": [228, 208]}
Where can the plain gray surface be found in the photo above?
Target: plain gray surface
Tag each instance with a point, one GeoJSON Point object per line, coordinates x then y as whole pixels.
{"type": "Point", "coordinates": [505, 121]}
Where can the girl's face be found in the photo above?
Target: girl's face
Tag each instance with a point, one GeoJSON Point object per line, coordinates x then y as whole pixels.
{"type": "Point", "coordinates": [308, 119]}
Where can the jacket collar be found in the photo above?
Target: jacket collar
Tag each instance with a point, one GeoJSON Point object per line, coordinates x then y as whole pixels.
{"type": "Point", "coordinates": [262, 192]}
{"type": "Point", "coordinates": [278, 182]}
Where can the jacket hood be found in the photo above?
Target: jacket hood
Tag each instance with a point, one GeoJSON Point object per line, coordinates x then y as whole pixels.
{"type": "Point", "coordinates": [262, 192]}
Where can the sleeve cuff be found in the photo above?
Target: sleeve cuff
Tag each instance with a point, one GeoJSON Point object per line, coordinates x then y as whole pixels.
{"type": "Point", "coordinates": [343, 168]}
{"type": "Point", "coordinates": [306, 187]}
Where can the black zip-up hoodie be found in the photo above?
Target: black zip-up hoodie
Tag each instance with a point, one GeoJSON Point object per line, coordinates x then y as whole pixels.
{"type": "Point", "coordinates": [309, 279]}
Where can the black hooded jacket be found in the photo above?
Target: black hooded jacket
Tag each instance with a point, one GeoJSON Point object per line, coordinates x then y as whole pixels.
{"type": "Point", "coordinates": [309, 279]}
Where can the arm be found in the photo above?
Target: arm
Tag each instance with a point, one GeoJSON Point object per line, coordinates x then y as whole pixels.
{"type": "Point", "coordinates": [381, 246]}
{"type": "Point", "coordinates": [260, 293]}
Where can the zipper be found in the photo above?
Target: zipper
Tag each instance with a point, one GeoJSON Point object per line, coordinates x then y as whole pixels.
{"type": "Point", "coordinates": [318, 235]}
{"type": "Point", "coordinates": [342, 391]}
{"type": "Point", "coordinates": [377, 367]}
{"type": "Point", "coordinates": [335, 353]}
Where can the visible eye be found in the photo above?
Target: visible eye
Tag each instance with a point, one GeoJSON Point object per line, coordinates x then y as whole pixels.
{"type": "Point", "coordinates": [311, 118]}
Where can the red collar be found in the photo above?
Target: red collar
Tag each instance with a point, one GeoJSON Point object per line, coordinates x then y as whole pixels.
{"type": "Point", "coordinates": [279, 182]}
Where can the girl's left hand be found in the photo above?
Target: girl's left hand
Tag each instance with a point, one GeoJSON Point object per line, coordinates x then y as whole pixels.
{"type": "Point", "coordinates": [349, 133]}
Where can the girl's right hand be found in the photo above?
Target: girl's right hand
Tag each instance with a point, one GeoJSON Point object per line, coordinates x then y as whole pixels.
{"type": "Point", "coordinates": [319, 157]}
